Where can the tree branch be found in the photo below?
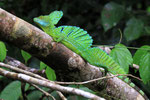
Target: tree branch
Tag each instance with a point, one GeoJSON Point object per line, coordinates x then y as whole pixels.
{"type": "Point", "coordinates": [21, 71]}
{"type": "Point", "coordinates": [51, 85]}
{"type": "Point", "coordinates": [46, 93]}
{"type": "Point", "coordinates": [18, 64]}
{"type": "Point", "coordinates": [61, 95]}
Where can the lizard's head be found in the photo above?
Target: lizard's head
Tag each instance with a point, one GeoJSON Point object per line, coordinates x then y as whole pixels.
{"type": "Point", "coordinates": [42, 21]}
{"type": "Point", "coordinates": [48, 21]}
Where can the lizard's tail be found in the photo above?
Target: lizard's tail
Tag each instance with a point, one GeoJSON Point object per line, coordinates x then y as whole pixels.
{"type": "Point", "coordinates": [100, 58]}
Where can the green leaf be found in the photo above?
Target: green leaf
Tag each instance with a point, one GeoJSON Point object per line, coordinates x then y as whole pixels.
{"type": "Point", "coordinates": [27, 86]}
{"type": "Point", "coordinates": [145, 67]}
{"type": "Point", "coordinates": [111, 15]}
{"type": "Point", "coordinates": [148, 9]}
{"type": "Point", "coordinates": [35, 95]}
{"type": "Point", "coordinates": [87, 89]}
{"type": "Point", "coordinates": [139, 53]}
{"type": "Point", "coordinates": [81, 87]}
{"type": "Point", "coordinates": [141, 58]}
{"type": "Point", "coordinates": [25, 55]}
{"type": "Point", "coordinates": [34, 62]}
{"type": "Point", "coordinates": [50, 73]}
{"type": "Point", "coordinates": [12, 91]}
{"type": "Point", "coordinates": [133, 30]}
{"type": "Point", "coordinates": [42, 65]}
{"type": "Point", "coordinates": [122, 56]}
{"type": "Point", "coordinates": [2, 51]}
{"type": "Point", "coordinates": [1, 77]}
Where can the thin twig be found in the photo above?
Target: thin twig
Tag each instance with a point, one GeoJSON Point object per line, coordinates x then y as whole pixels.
{"type": "Point", "coordinates": [21, 71]}
{"type": "Point", "coordinates": [32, 80]}
{"type": "Point", "coordinates": [93, 80]}
{"type": "Point", "coordinates": [46, 93]}
{"type": "Point", "coordinates": [61, 95]}
{"type": "Point", "coordinates": [85, 82]}
{"type": "Point", "coordinates": [25, 72]}
{"type": "Point", "coordinates": [120, 36]}
{"type": "Point", "coordinates": [135, 66]}
{"type": "Point", "coordinates": [110, 46]}
{"type": "Point", "coordinates": [24, 95]}
{"type": "Point", "coordinates": [13, 62]}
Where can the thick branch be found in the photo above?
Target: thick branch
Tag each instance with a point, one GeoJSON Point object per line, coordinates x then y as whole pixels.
{"type": "Point", "coordinates": [67, 65]}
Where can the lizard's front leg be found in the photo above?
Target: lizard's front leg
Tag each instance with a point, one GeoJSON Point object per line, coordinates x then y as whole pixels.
{"type": "Point", "coordinates": [60, 39]}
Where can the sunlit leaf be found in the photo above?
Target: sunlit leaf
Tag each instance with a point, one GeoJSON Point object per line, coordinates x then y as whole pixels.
{"type": "Point", "coordinates": [145, 67]}
{"type": "Point", "coordinates": [142, 58]}
{"type": "Point", "coordinates": [122, 56]}
{"type": "Point", "coordinates": [2, 51]}
{"type": "Point", "coordinates": [50, 73]}
{"type": "Point", "coordinates": [139, 53]}
{"type": "Point", "coordinates": [25, 55]}
{"type": "Point", "coordinates": [42, 65]}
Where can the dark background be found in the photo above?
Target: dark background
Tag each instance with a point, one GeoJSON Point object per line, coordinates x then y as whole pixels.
{"type": "Point", "coordinates": [87, 15]}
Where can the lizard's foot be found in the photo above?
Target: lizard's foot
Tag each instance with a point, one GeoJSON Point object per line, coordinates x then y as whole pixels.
{"type": "Point", "coordinates": [60, 39]}
{"type": "Point", "coordinates": [53, 41]}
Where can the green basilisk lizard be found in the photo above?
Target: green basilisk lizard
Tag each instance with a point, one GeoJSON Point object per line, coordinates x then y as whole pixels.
{"type": "Point", "coordinates": [79, 41]}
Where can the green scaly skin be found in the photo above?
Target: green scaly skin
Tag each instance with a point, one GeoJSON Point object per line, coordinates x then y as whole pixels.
{"type": "Point", "coordinates": [80, 42]}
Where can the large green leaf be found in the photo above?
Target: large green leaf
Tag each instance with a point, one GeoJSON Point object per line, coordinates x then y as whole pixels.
{"type": "Point", "coordinates": [139, 53]}
{"type": "Point", "coordinates": [35, 95]}
{"type": "Point", "coordinates": [12, 91]}
{"type": "Point", "coordinates": [50, 73]}
{"type": "Point", "coordinates": [2, 51]}
{"type": "Point", "coordinates": [122, 56]}
{"type": "Point", "coordinates": [133, 30]}
{"type": "Point", "coordinates": [142, 58]}
{"type": "Point", "coordinates": [111, 15]}
{"type": "Point", "coordinates": [25, 55]}
{"type": "Point", "coordinates": [145, 67]}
